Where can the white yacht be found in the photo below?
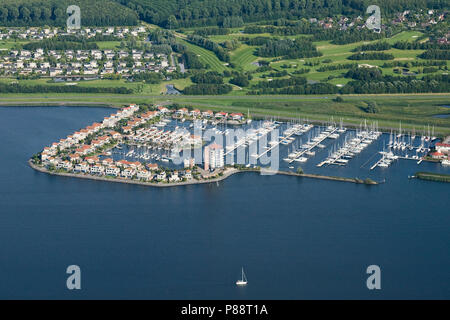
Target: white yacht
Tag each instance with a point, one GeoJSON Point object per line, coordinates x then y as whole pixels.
{"type": "Point", "coordinates": [243, 280]}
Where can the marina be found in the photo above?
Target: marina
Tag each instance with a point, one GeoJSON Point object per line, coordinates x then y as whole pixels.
{"type": "Point", "coordinates": [329, 132]}
{"type": "Point", "coordinates": [352, 146]}
{"type": "Point", "coordinates": [156, 146]}
{"type": "Point", "coordinates": [153, 230]}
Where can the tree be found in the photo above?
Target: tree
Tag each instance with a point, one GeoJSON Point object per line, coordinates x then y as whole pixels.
{"type": "Point", "coordinates": [172, 22]}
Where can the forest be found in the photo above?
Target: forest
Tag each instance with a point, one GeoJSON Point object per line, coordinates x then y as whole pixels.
{"type": "Point", "coordinates": [197, 13]}
{"type": "Point", "coordinates": [27, 13]}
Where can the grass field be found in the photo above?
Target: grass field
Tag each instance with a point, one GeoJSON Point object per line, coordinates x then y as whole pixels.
{"type": "Point", "coordinates": [103, 45]}
{"type": "Point", "coordinates": [413, 111]}
{"type": "Point", "coordinates": [206, 56]}
{"type": "Point", "coordinates": [243, 57]}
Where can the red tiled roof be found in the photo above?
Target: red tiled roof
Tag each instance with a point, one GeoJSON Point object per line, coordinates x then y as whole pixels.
{"type": "Point", "coordinates": [445, 145]}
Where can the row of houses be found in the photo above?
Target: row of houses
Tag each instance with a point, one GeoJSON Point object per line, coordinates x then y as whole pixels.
{"type": "Point", "coordinates": [122, 169]}
{"type": "Point", "coordinates": [82, 62]}
{"type": "Point", "coordinates": [209, 114]}
{"type": "Point", "coordinates": [75, 140]}
{"type": "Point", "coordinates": [35, 33]}
{"type": "Point", "coordinates": [178, 138]}
{"type": "Point", "coordinates": [420, 18]}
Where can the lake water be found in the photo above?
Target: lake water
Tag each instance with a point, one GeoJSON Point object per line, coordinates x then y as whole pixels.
{"type": "Point", "coordinates": [296, 238]}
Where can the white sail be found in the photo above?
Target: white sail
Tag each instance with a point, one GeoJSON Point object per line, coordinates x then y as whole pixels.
{"type": "Point", "coordinates": [243, 280]}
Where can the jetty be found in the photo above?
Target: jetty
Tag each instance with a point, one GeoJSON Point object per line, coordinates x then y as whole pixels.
{"type": "Point", "coordinates": [318, 140]}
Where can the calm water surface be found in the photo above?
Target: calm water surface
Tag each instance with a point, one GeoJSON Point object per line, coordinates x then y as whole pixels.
{"type": "Point", "coordinates": [296, 238]}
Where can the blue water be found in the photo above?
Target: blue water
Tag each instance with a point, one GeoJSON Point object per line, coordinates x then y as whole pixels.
{"type": "Point", "coordinates": [296, 238]}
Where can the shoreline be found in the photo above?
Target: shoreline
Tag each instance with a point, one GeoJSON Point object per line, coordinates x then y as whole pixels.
{"type": "Point", "coordinates": [227, 174]}
{"type": "Point", "coordinates": [129, 181]}
{"type": "Point", "coordinates": [255, 116]}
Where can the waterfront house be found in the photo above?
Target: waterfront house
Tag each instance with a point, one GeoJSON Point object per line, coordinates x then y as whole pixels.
{"type": "Point", "coordinates": [181, 112]}
{"type": "Point", "coordinates": [59, 164]}
{"type": "Point", "coordinates": [174, 177]}
{"type": "Point", "coordinates": [438, 155]}
{"type": "Point", "coordinates": [163, 110]}
{"type": "Point", "coordinates": [67, 165]}
{"type": "Point", "coordinates": [152, 166]}
{"type": "Point", "coordinates": [91, 160]}
{"type": "Point", "coordinates": [236, 116]}
{"type": "Point", "coordinates": [135, 165]}
{"type": "Point", "coordinates": [221, 115]}
{"type": "Point", "coordinates": [144, 175]}
{"type": "Point", "coordinates": [161, 176]}
{"type": "Point", "coordinates": [443, 148]}
{"type": "Point", "coordinates": [123, 163]}
{"type": "Point", "coordinates": [97, 169]}
{"type": "Point", "coordinates": [82, 167]}
{"type": "Point", "coordinates": [107, 162]}
{"type": "Point", "coordinates": [208, 114]}
{"type": "Point", "coordinates": [128, 173]}
{"type": "Point", "coordinates": [195, 113]}
{"type": "Point", "coordinates": [188, 174]}
{"type": "Point", "coordinates": [112, 171]}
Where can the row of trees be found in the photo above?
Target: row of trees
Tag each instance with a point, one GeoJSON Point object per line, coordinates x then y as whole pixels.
{"type": "Point", "coordinates": [22, 88]}
{"type": "Point", "coordinates": [349, 36]}
{"type": "Point", "coordinates": [60, 44]}
{"type": "Point", "coordinates": [207, 89]}
{"type": "Point", "coordinates": [211, 77]}
{"type": "Point", "coordinates": [371, 56]}
{"type": "Point", "coordinates": [436, 54]}
{"type": "Point", "coordinates": [409, 64]}
{"type": "Point", "coordinates": [366, 81]}
{"type": "Point", "coordinates": [333, 67]}
{"type": "Point", "coordinates": [204, 32]}
{"type": "Point", "coordinates": [290, 49]}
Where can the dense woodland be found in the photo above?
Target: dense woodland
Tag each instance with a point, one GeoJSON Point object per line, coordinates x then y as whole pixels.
{"type": "Point", "coordinates": [192, 13]}
{"type": "Point", "coordinates": [26, 13]}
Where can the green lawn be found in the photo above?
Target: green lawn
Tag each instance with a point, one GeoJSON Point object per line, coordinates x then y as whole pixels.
{"type": "Point", "coordinates": [206, 56]}
{"type": "Point", "coordinates": [243, 57]}
{"type": "Point", "coordinates": [414, 111]}
{"type": "Point", "coordinates": [104, 45]}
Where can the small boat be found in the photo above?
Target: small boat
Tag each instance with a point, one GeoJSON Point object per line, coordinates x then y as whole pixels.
{"type": "Point", "coordinates": [243, 280]}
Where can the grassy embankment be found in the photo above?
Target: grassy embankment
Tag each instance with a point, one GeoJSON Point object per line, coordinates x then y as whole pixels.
{"type": "Point", "coordinates": [430, 176]}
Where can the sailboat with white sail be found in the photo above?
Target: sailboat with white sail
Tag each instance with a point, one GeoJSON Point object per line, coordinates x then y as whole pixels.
{"type": "Point", "coordinates": [243, 280]}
